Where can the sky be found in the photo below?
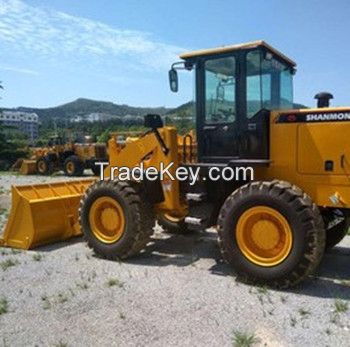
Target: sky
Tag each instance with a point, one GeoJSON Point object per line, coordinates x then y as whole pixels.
{"type": "Point", "coordinates": [53, 52]}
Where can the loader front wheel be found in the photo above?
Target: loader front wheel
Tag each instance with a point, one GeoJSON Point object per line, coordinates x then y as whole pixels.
{"type": "Point", "coordinates": [44, 166]}
{"type": "Point", "coordinates": [117, 223]}
{"type": "Point", "coordinates": [271, 233]}
{"type": "Point", "coordinates": [73, 166]}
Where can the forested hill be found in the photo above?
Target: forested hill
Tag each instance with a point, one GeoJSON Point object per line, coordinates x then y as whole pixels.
{"type": "Point", "coordinates": [83, 106]}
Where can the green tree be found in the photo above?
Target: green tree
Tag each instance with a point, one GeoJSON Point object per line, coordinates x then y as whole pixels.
{"type": "Point", "coordinates": [12, 145]}
{"type": "Point", "coordinates": [103, 138]}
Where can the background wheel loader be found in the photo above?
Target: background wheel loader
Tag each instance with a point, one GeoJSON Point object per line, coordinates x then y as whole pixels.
{"type": "Point", "coordinates": [72, 158]}
{"type": "Point", "coordinates": [272, 230]}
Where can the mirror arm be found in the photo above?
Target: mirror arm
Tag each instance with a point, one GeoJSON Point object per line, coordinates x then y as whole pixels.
{"type": "Point", "coordinates": [182, 65]}
{"type": "Point", "coordinates": [173, 79]}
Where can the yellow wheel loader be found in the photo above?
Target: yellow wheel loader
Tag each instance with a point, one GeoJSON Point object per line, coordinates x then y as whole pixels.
{"type": "Point", "coordinates": [73, 159]}
{"type": "Point", "coordinates": [273, 227]}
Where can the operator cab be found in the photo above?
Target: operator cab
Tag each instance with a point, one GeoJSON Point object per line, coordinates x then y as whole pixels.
{"type": "Point", "coordinates": [55, 141]}
{"type": "Point", "coordinates": [236, 86]}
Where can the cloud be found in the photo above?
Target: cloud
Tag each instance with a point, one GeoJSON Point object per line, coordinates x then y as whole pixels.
{"type": "Point", "coordinates": [52, 33]}
{"type": "Point", "coordinates": [18, 70]}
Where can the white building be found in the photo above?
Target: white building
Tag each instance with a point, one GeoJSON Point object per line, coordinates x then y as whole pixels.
{"type": "Point", "coordinates": [92, 117]}
{"type": "Point", "coordinates": [24, 121]}
{"type": "Point", "coordinates": [77, 119]}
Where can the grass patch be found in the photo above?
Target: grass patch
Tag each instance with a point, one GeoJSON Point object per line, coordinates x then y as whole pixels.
{"type": "Point", "coordinates": [241, 339]}
{"type": "Point", "coordinates": [8, 263]}
{"type": "Point", "coordinates": [340, 306]}
{"type": "Point", "coordinates": [262, 290]}
{"type": "Point", "coordinates": [61, 344]}
{"type": "Point", "coordinates": [9, 173]}
{"type": "Point", "coordinates": [15, 251]}
{"type": "Point", "coordinates": [46, 302]}
{"type": "Point", "coordinates": [262, 294]}
{"type": "Point", "coordinates": [83, 285]}
{"type": "Point", "coordinates": [54, 300]}
{"type": "Point", "coordinates": [303, 312]}
{"type": "Point", "coordinates": [62, 298]}
{"type": "Point", "coordinates": [37, 257]}
{"type": "Point", "coordinates": [115, 282]}
{"type": "Point", "coordinates": [293, 322]}
{"type": "Point", "coordinates": [4, 306]}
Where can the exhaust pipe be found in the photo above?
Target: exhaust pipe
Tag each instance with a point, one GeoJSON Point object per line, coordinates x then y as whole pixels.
{"type": "Point", "coordinates": [323, 99]}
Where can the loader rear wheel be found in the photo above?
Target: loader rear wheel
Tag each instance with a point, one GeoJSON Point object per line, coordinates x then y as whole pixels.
{"type": "Point", "coordinates": [44, 166]}
{"type": "Point", "coordinates": [172, 224]}
{"type": "Point", "coordinates": [117, 223]}
{"type": "Point", "coordinates": [73, 166]}
{"type": "Point", "coordinates": [271, 233]}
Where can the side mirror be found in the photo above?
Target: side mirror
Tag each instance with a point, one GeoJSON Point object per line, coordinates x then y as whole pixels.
{"type": "Point", "coordinates": [173, 80]}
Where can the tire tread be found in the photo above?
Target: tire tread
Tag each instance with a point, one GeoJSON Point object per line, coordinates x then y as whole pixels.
{"type": "Point", "coordinates": [309, 215]}
{"type": "Point", "coordinates": [141, 211]}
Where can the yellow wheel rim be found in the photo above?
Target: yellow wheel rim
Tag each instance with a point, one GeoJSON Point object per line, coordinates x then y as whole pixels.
{"type": "Point", "coordinates": [264, 236]}
{"type": "Point", "coordinates": [42, 166]}
{"type": "Point", "coordinates": [70, 167]}
{"type": "Point", "coordinates": [107, 220]}
{"type": "Point", "coordinates": [171, 218]}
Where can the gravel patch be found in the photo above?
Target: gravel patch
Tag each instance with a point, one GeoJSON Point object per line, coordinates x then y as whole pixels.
{"type": "Point", "coordinates": [175, 293]}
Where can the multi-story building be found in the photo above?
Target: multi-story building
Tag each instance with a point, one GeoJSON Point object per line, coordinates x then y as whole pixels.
{"type": "Point", "coordinates": [24, 121]}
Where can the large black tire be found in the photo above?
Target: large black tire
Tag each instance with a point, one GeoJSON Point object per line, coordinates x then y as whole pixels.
{"type": "Point", "coordinates": [303, 218]}
{"type": "Point", "coordinates": [44, 166]}
{"type": "Point", "coordinates": [172, 225]}
{"type": "Point", "coordinates": [335, 234]}
{"type": "Point", "coordinates": [138, 214]}
{"type": "Point", "coordinates": [73, 166]}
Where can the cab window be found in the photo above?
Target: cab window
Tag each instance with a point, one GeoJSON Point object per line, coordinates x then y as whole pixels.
{"type": "Point", "coordinates": [220, 90]}
{"type": "Point", "coordinates": [269, 83]}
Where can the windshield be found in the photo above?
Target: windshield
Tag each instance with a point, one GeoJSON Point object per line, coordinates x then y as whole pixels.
{"type": "Point", "coordinates": [269, 83]}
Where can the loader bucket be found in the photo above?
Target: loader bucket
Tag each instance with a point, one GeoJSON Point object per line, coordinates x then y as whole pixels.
{"type": "Point", "coordinates": [16, 166]}
{"type": "Point", "coordinates": [44, 213]}
{"type": "Point", "coordinates": [28, 167]}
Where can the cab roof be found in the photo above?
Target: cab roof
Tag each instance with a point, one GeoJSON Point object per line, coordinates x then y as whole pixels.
{"type": "Point", "coordinates": [232, 48]}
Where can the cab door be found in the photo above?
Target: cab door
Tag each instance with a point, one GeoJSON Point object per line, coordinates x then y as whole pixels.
{"type": "Point", "coordinates": [217, 109]}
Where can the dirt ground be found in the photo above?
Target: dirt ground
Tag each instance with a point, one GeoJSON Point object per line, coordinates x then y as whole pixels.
{"type": "Point", "coordinates": [175, 293]}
